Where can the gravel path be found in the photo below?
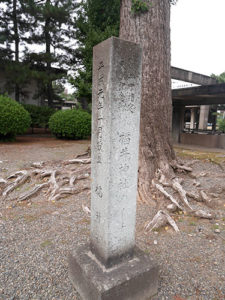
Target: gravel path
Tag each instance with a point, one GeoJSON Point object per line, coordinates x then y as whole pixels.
{"type": "Point", "coordinates": [35, 240]}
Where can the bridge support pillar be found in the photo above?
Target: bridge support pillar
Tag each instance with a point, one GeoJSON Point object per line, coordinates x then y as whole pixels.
{"type": "Point", "coordinates": [178, 122]}
{"type": "Point", "coordinates": [203, 117]}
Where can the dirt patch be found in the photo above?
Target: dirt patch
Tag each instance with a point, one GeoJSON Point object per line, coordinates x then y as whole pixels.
{"type": "Point", "coordinates": [26, 149]}
{"type": "Point", "coordinates": [204, 154]}
{"type": "Point", "coordinates": [36, 236]}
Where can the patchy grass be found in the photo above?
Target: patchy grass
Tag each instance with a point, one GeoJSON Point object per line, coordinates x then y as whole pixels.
{"type": "Point", "coordinates": [192, 223]}
{"type": "Point", "coordinates": [147, 251]}
{"type": "Point", "coordinates": [29, 218]}
{"type": "Point", "coordinates": [46, 244]}
{"type": "Point", "coordinates": [214, 227]}
{"type": "Point", "coordinates": [214, 157]}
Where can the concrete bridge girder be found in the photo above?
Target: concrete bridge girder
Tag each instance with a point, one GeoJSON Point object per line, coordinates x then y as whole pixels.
{"type": "Point", "coordinates": [192, 77]}
{"type": "Point", "coordinates": [208, 93]}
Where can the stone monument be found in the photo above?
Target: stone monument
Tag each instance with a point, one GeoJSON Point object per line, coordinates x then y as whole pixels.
{"type": "Point", "coordinates": [111, 267]}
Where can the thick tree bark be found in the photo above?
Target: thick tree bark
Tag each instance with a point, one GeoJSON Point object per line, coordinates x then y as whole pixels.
{"type": "Point", "coordinates": [48, 52]}
{"type": "Point", "coordinates": [152, 30]}
{"type": "Point", "coordinates": [17, 40]}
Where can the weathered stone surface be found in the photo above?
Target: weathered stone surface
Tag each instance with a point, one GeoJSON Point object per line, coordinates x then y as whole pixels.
{"type": "Point", "coordinates": [111, 268]}
{"type": "Point", "coordinates": [115, 142]}
{"type": "Point", "coordinates": [134, 279]}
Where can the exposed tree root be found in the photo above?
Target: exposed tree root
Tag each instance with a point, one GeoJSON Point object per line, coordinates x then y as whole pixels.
{"type": "Point", "coordinates": [69, 177]}
{"type": "Point", "coordinates": [161, 219]}
{"type": "Point", "coordinates": [2, 182]}
{"type": "Point", "coordinates": [141, 198]}
{"type": "Point", "coordinates": [203, 214]}
{"type": "Point", "coordinates": [86, 210]}
{"type": "Point", "coordinates": [35, 190]}
{"type": "Point", "coordinates": [167, 195]}
{"type": "Point", "coordinates": [78, 161]}
{"type": "Point", "coordinates": [162, 184]}
{"type": "Point", "coordinates": [177, 166]}
{"type": "Point", "coordinates": [194, 195]}
{"type": "Point", "coordinates": [205, 198]}
{"type": "Point", "coordinates": [57, 181]}
{"type": "Point", "coordinates": [21, 177]}
{"type": "Point", "coordinates": [183, 195]}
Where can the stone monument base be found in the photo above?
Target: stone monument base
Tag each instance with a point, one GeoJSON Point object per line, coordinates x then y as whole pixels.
{"type": "Point", "coordinates": [133, 279]}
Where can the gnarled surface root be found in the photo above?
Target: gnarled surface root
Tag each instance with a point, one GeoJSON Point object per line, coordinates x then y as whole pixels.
{"type": "Point", "coordinates": [178, 198]}
{"type": "Point", "coordinates": [57, 180]}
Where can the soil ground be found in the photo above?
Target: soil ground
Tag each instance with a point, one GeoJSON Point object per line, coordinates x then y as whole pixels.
{"type": "Point", "coordinates": [36, 236]}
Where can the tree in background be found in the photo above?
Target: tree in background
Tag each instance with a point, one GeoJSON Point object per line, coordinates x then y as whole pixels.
{"type": "Point", "coordinates": [24, 24]}
{"type": "Point", "coordinates": [14, 23]}
{"type": "Point", "coordinates": [95, 21]}
{"type": "Point", "coordinates": [53, 19]}
{"type": "Point", "coordinates": [139, 22]}
{"type": "Point", "coordinates": [221, 107]}
{"type": "Point", "coordinates": [220, 78]}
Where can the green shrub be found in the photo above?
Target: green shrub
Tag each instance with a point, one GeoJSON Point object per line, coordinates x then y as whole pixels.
{"type": "Point", "coordinates": [71, 124]}
{"type": "Point", "coordinates": [221, 124]}
{"type": "Point", "coordinates": [14, 119]}
{"type": "Point", "coordinates": [39, 115]}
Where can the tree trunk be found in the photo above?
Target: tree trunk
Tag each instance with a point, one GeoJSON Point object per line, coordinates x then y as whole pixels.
{"type": "Point", "coordinates": [48, 57]}
{"type": "Point", "coordinates": [16, 39]}
{"type": "Point", "coordinates": [48, 52]}
{"type": "Point", "coordinates": [151, 29]}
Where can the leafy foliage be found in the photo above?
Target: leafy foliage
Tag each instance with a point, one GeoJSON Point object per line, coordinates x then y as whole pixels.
{"type": "Point", "coordinates": [220, 78]}
{"type": "Point", "coordinates": [221, 124]}
{"type": "Point", "coordinates": [70, 124]}
{"type": "Point", "coordinates": [53, 20]}
{"type": "Point", "coordinates": [142, 6]}
{"type": "Point", "coordinates": [40, 115]}
{"type": "Point", "coordinates": [14, 23]}
{"type": "Point", "coordinates": [139, 6]}
{"type": "Point", "coordinates": [16, 75]}
{"type": "Point", "coordinates": [46, 23]}
{"type": "Point", "coordinates": [95, 21]}
{"type": "Point", "coordinates": [14, 119]}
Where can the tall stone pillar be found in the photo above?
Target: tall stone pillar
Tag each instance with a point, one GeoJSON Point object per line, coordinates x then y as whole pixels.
{"type": "Point", "coordinates": [115, 139]}
{"type": "Point", "coordinates": [111, 267]}
{"type": "Point", "coordinates": [203, 117]}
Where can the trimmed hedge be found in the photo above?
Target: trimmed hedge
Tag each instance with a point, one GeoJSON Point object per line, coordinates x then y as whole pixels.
{"type": "Point", "coordinates": [14, 119]}
{"type": "Point", "coordinates": [40, 115]}
{"type": "Point", "coordinates": [71, 124]}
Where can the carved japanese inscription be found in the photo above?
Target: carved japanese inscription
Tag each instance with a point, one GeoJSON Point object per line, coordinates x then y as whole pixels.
{"type": "Point", "coordinates": [115, 139]}
{"type": "Point", "coordinates": [100, 106]}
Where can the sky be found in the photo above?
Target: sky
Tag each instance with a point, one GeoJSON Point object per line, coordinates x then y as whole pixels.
{"type": "Point", "coordinates": [197, 36]}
